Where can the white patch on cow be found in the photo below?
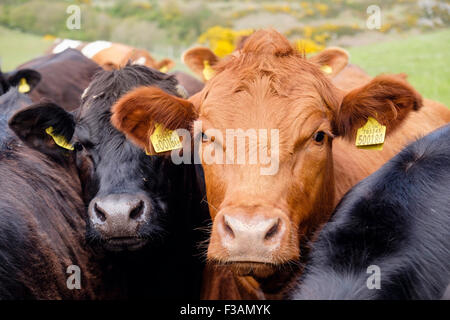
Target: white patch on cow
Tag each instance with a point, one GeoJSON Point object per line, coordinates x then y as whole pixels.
{"type": "Point", "coordinates": [141, 61]}
{"type": "Point", "coordinates": [91, 49]}
{"type": "Point", "coordinates": [182, 91]}
{"type": "Point", "coordinates": [84, 93]}
{"type": "Point", "coordinates": [66, 44]}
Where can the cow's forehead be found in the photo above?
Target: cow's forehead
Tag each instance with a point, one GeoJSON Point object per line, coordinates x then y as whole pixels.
{"type": "Point", "coordinates": [266, 91]}
{"type": "Point", "coordinates": [259, 103]}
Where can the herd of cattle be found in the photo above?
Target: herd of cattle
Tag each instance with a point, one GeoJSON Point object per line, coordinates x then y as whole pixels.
{"type": "Point", "coordinates": [80, 188]}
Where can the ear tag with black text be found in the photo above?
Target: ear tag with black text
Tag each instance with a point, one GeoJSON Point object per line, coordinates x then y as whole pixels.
{"type": "Point", "coordinates": [164, 139]}
{"type": "Point", "coordinates": [371, 135]}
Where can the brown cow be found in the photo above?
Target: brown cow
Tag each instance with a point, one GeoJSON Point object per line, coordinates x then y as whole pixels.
{"type": "Point", "coordinates": [64, 75]}
{"type": "Point", "coordinates": [262, 222]}
{"type": "Point", "coordinates": [110, 55]}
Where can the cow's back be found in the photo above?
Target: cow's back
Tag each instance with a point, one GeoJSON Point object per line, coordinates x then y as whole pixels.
{"type": "Point", "coordinates": [113, 57]}
{"type": "Point", "coordinates": [64, 77]}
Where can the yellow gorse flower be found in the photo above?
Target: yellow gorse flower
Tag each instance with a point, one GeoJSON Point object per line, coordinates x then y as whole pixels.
{"type": "Point", "coordinates": [222, 41]}
{"type": "Point", "coordinates": [308, 46]}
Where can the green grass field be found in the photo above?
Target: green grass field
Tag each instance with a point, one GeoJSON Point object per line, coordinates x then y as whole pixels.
{"type": "Point", "coordinates": [425, 58]}
{"type": "Point", "coordinates": [17, 47]}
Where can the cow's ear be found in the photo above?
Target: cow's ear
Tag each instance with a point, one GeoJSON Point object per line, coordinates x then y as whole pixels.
{"type": "Point", "coordinates": [137, 114]}
{"type": "Point", "coordinates": [25, 80]}
{"type": "Point", "coordinates": [387, 98]}
{"type": "Point", "coordinates": [165, 65]}
{"type": "Point", "coordinates": [201, 60]}
{"type": "Point", "coordinates": [331, 60]}
{"type": "Point", "coordinates": [44, 126]}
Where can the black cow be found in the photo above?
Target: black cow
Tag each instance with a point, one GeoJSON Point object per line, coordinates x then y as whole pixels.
{"type": "Point", "coordinates": [143, 210]}
{"type": "Point", "coordinates": [395, 224]}
{"type": "Point", "coordinates": [42, 220]}
{"type": "Point", "coordinates": [10, 102]}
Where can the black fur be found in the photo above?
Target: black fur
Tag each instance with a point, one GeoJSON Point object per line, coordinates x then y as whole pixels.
{"type": "Point", "coordinates": [41, 220]}
{"type": "Point", "coordinates": [398, 219]}
{"type": "Point", "coordinates": [117, 166]}
{"type": "Point", "coordinates": [10, 102]}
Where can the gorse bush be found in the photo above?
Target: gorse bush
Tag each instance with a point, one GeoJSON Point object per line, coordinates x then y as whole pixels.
{"type": "Point", "coordinates": [40, 16]}
{"type": "Point", "coordinates": [222, 41]}
{"type": "Point", "coordinates": [177, 24]}
{"type": "Point", "coordinates": [138, 23]}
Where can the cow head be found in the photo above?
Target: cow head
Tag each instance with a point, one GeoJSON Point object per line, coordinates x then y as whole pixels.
{"type": "Point", "coordinates": [260, 219]}
{"type": "Point", "coordinates": [125, 190]}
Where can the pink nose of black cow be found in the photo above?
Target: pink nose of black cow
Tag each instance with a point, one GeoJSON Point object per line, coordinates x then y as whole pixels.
{"type": "Point", "coordinates": [119, 215]}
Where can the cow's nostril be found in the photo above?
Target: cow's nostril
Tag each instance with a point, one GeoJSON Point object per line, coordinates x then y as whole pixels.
{"type": "Point", "coordinates": [137, 211]}
{"type": "Point", "coordinates": [227, 227]}
{"type": "Point", "coordinates": [273, 230]}
{"type": "Point", "coordinates": [99, 213]}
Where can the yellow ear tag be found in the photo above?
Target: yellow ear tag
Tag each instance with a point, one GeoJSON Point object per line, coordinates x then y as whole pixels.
{"type": "Point", "coordinates": [208, 72]}
{"type": "Point", "coordinates": [371, 135]}
{"type": "Point", "coordinates": [164, 139]}
{"type": "Point", "coordinates": [164, 69]}
{"type": "Point", "coordinates": [326, 69]}
{"type": "Point", "coordinates": [24, 87]}
{"type": "Point", "coordinates": [59, 140]}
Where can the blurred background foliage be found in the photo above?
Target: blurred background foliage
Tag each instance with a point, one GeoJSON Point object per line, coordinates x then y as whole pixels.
{"type": "Point", "coordinates": [180, 23]}
{"type": "Point", "coordinates": [168, 27]}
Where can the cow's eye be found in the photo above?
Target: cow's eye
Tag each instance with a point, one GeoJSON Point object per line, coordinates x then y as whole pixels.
{"type": "Point", "coordinates": [78, 146]}
{"type": "Point", "coordinates": [319, 136]}
{"type": "Point", "coordinates": [206, 138]}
